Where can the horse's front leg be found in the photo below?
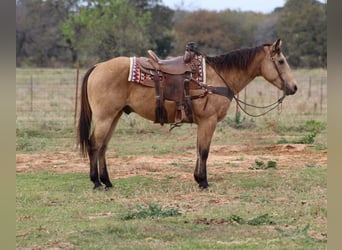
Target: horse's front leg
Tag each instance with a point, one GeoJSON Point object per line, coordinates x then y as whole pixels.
{"type": "Point", "coordinates": [205, 133]}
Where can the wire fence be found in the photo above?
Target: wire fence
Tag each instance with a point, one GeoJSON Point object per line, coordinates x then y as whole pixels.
{"type": "Point", "coordinates": [48, 98]}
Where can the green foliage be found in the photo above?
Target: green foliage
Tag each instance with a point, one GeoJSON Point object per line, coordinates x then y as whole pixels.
{"type": "Point", "coordinates": [39, 39]}
{"type": "Point", "coordinates": [161, 29]}
{"type": "Point", "coordinates": [259, 164]}
{"type": "Point", "coordinates": [305, 32]}
{"type": "Point", "coordinates": [321, 146]}
{"type": "Point", "coordinates": [108, 29]}
{"type": "Point", "coordinates": [239, 122]}
{"type": "Point", "coordinates": [61, 32]}
{"type": "Point", "coordinates": [263, 219]}
{"type": "Point", "coordinates": [235, 219]}
{"type": "Point", "coordinates": [216, 32]}
{"type": "Point", "coordinates": [43, 139]}
{"type": "Point", "coordinates": [113, 28]}
{"type": "Point", "coordinates": [312, 126]}
{"type": "Point", "coordinates": [309, 126]}
{"type": "Point", "coordinates": [307, 139]}
{"type": "Point", "coordinates": [151, 211]}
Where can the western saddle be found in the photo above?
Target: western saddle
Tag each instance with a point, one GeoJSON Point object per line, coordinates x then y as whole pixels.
{"type": "Point", "coordinates": [171, 79]}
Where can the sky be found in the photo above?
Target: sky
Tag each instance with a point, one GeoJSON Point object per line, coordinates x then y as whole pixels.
{"type": "Point", "coordinates": [263, 6]}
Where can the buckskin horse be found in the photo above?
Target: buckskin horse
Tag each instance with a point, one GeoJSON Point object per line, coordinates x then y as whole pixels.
{"type": "Point", "coordinates": [106, 93]}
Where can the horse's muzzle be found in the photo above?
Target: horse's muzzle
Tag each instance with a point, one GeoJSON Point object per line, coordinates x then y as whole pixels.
{"type": "Point", "coordinates": [291, 90]}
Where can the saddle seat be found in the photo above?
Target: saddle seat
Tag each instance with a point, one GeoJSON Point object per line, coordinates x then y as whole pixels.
{"type": "Point", "coordinates": [174, 66]}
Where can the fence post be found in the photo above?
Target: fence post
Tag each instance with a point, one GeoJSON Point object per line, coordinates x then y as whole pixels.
{"type": "Point", "coordinates": [278, 97]}
{"type": "Point", "coordinates": [309, 93]}
{"type": "Point", "coordinates": [245, 98]}
{"type": "Point", "coordinates": [76, 93]}
{"type": "Point", "coordinates": [321, 95]}
{"type": "Point", "coordinates": [31, 93]}
{"type": "Point", "coordinates": [237, 105]}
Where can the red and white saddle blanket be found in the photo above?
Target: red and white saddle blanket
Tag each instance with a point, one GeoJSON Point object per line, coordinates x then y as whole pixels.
{"type": "Point", "coordinates": [138, 76]}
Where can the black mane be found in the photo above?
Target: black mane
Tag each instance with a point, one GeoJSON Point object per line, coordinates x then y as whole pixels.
{"type": "Point", "coordinates": [239, 59]}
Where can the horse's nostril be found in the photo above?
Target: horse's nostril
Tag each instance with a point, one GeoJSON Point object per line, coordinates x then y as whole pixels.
{"type": "Point", "coordinates": [295, 88]}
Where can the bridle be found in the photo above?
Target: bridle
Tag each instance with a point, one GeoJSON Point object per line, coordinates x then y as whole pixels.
{"type": "Point", "coordinates": [271, 106]}
{"type": "Point", "coordinates": [283, 83]}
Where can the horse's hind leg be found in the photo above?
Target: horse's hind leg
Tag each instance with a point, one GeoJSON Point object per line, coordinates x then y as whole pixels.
{"type": "Point", "coordinates": [93, 159]}
{"type": "Point", "coordinates": [104, 177]}
{"type": "Point", "coordinates": [98, 145]}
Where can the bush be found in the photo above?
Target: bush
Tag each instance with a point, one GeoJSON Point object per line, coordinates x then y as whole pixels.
{"type": "Point", "coordinates": [307, 139]}
{"type": "Point", "coordinates": [240, 122]}
{"type": "Point", "coordinates": [152, 211]}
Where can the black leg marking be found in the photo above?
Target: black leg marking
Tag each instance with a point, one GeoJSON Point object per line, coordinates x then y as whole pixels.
{"type": "Point", "coordinates": [200, 174]}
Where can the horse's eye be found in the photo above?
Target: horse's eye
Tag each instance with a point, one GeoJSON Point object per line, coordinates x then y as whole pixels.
{"type": "Point", "coordinates": [281, 61]}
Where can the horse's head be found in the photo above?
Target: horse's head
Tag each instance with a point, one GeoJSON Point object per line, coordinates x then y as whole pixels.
{"type": "Point", "coordinates": [275, 69]}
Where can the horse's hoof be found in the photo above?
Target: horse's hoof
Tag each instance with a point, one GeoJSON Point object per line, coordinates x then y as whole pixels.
{"type": "Point", "coordinates": [107, 188]}
{"type": "Point", "coordinates": [204, 188]}
{"type": "Point", "coordinates": [97, 187]}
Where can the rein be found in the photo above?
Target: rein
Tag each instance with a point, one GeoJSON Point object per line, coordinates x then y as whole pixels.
{"type": "Point", "coordinates": [270, 107]}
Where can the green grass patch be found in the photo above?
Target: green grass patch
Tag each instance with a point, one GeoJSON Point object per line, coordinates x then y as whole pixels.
{"type": "Point", "coordinates": [307, 139]}
{"type": "Point", "coordinates": [263, 219]}
{"type": "Point", "coordinates": [259, 164]}
{"type": "Point", "coordinates": [240, 121]}
{"type": "Point", "coordinates": [28, 140]}
{"type": "Point", "coordinates": [257, 182]}
{"type": "Point", "coordinates": [253, 212]}
{"type": "Point", "coordinates": [312, 126]}
{"type": "Point", "coordinates": [151, 211]}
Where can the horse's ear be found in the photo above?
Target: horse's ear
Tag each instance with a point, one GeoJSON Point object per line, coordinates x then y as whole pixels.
{"type": "Point", "coordinates": [276, 47]}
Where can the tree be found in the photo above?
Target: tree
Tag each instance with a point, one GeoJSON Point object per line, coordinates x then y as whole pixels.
{"type": "Point", "coordinates": [217, 32]}
{"type": "Point", "coordinates": [302, 25]}
{"type": "Point", "coordinates": [61, 32]}
{"type": "Point", "coordinates": [104, 29]}
{"type": "Point", "coordinates": [202, 27]}
{"type": "Point", "coordinates": [160, 29]}
{"type": "Point", "coordinates": [39, 40]}
{"type": "Point", "coordinates": [266, 30]}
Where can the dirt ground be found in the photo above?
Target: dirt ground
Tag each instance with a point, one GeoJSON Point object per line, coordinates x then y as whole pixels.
{"type": "Point", "coordinates": [222, 159]}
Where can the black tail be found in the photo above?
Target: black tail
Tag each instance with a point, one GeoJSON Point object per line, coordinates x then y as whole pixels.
{"type": "Point", "coordinates": [84, 122]}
